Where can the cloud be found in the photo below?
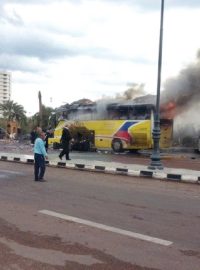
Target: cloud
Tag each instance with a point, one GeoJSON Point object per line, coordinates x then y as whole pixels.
{"type": "Point", "coordinates": [19, 43]}
{"type": "Point", "coordinates": [29, 2]}
{"type": "Point", "coordinates": [21, 63]}
{"type": "Point", "coordinates": [42, 46]}
{"type": "Point", "coordinates": [9, 17]}
{"type": "Point", "coordinates": [155, 4]}
{"type": "Point", "coordinates": [92, 47]}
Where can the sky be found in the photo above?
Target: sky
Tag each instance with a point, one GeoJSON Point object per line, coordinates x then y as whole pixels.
{"type": "Point", "coordinates": [74, 49]}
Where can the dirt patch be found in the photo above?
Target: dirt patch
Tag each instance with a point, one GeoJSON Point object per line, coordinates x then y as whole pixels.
{"type": "Point", "coordinates": [26, 250]}
{"type": "Point", "coordinates": [190, 253]}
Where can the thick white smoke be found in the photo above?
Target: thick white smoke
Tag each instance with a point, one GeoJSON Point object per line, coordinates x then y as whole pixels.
{"type": "Point", "coordinates": [184, 92]}
{"type": "Point", "coordinates": [98, 111]}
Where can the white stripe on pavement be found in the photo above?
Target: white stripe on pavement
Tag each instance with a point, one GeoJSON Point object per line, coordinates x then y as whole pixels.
{"type": "Point", "coordinates": [108, 228]}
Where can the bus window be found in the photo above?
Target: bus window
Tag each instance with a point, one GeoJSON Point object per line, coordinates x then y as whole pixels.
{"type": "Point", "coordinates": [129, 112]}
{"type": "Point", "coordinates": [139, 113]}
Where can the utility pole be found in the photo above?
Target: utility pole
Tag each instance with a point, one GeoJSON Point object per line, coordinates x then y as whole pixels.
{"type": "Point", "coordinates": [40, 109]}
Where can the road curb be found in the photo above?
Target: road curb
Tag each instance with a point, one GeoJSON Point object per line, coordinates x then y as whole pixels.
{"type": "Point", "coordinates": [183, 178]}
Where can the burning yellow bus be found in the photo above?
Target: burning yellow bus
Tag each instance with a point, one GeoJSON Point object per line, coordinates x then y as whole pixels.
{"type": "Point", "coordinates": [123, 127]}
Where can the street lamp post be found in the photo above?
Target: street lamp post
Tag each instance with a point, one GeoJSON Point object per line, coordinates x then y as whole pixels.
{"type": "Point", "coordinates": [155, 157]}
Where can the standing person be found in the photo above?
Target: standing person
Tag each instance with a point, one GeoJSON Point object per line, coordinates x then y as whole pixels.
{"type": "Point", "coordinates": [65, 139]}
{"type": "Point", "coordinates": [40, 155]}
{"type": "Point", "coordinates": [47, 136]}
{"type": "Point", "coordinates": [38, 131]}
{"type": "Point", "coordinates": [33, 136]}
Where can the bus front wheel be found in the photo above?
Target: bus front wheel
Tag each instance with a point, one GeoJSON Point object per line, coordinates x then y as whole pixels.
{"type": "Point", "coordinates": [117, 145]}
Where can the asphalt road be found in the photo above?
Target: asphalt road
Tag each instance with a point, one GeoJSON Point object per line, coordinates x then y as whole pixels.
{"type": "Point", "coordinates": [176, 158]}
{"type": "Point", "coordinates": [113, 212]}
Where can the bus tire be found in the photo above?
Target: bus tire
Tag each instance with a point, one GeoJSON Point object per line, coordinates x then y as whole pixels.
{"type": "Point", "coordinates": [117, 145]}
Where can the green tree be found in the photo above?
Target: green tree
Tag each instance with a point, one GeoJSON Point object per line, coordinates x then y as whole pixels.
{"type": "Point", "coordinates": [12, 111]}
{"type": "Point", "coordinates": [35, 119]}
{"type": "Point", "coordinates": [47, 112]}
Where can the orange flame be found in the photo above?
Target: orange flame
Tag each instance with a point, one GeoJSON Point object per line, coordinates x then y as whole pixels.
{"type": "Point", "coordinates": [168, 110]}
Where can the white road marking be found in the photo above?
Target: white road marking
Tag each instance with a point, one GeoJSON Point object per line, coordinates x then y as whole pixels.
{"type": "Point", "coordinates": [108, 228]}
{"type": "Point", "coordinates": [11, 172]}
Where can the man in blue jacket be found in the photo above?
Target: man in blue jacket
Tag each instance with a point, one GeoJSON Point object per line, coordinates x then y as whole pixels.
{"type": "Point", "coordinates": [40, 155]}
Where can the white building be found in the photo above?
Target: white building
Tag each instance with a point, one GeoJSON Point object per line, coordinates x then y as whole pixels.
{"type": "Point", "coordinates": [5, 86]}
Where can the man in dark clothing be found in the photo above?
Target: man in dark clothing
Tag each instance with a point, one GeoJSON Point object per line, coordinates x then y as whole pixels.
{"type": "Point", "coordinates": [35, 133]}
{"type": "Point", "coordinates": [65, 139]}
{"type": "Point", "coordinates": [47, 136]}
{"type": "Point", "coordinates": [33, 136]}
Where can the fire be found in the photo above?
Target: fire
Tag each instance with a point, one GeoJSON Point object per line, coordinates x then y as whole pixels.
{"type": "Point", "coordinates": [168, 110]}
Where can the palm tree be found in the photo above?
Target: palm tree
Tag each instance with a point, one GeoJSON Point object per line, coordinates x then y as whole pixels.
{"type": "Point", "coordinates": [12, 111]}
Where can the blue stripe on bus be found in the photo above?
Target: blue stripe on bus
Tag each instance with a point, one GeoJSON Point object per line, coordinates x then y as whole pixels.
{"type": "Point", "coordinates": [126, 125]}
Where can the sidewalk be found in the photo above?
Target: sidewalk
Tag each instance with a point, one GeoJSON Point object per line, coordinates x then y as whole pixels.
{"type": "Point", "coordinates": [171, 174]}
